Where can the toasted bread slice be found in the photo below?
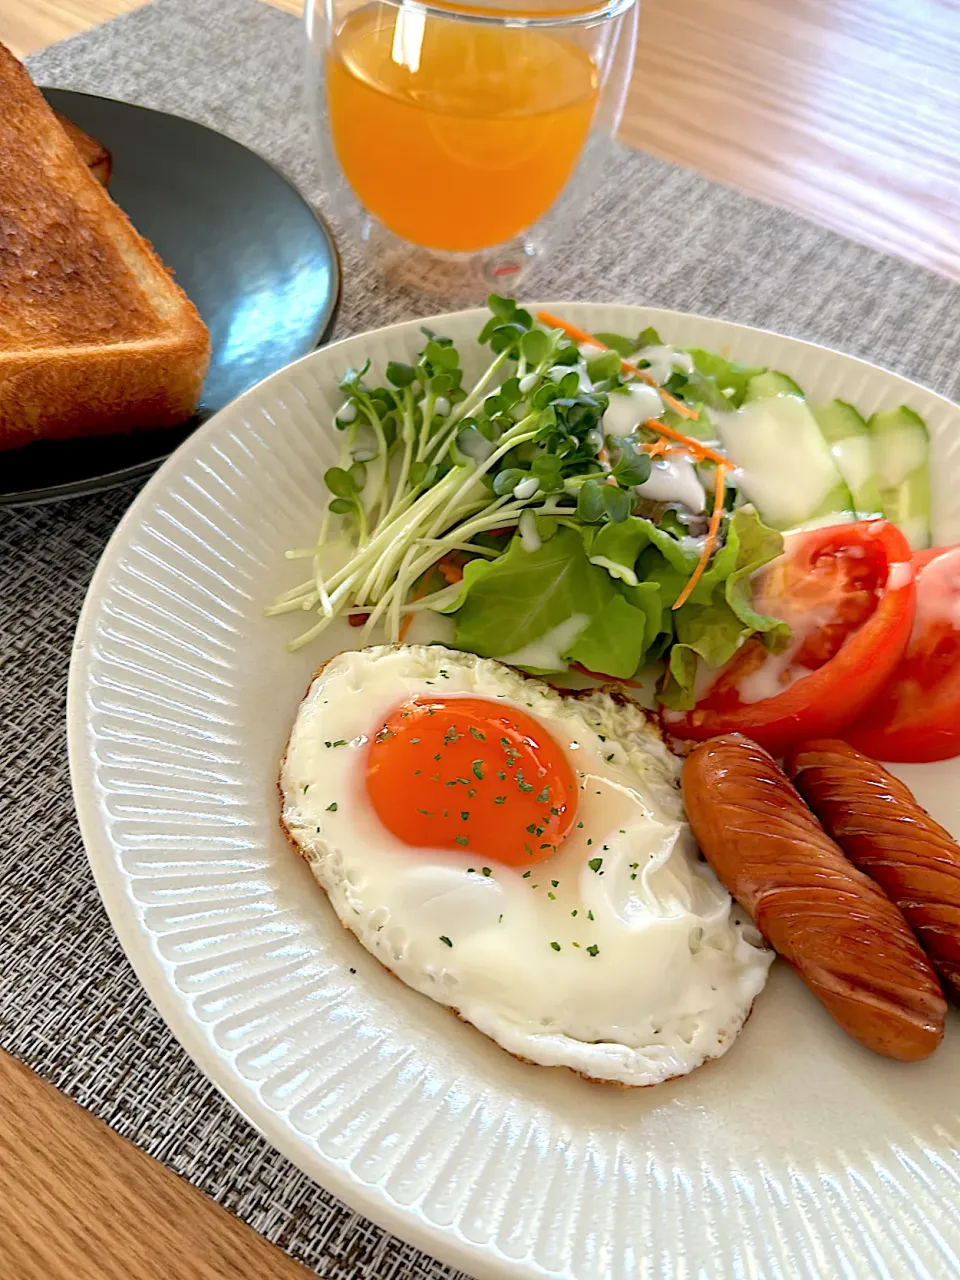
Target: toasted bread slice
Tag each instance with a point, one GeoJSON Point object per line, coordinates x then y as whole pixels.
{"type": "Point", "coordinates": [93, 153]}
{"type": "Point", "coordinates": [95, 336]}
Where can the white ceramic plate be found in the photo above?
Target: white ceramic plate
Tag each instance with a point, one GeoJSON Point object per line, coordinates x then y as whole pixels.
{"type": "Point", "coordinates": [797, 1154]}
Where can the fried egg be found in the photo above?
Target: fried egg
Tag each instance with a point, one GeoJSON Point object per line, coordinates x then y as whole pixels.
{"type": "Point", "coordinates": [521, 856]}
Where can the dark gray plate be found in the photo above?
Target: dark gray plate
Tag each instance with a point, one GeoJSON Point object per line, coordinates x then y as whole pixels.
{"type": "Point", "coordinates": [249, 251]}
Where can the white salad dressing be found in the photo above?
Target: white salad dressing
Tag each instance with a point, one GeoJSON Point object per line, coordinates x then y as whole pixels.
{"type": "Point", "coordinates": [661, 361]}
{"type": "Point", "coordinates": [560, 371]}
{"type": "Point", "coordinates": [628, 408]}
{"type": "Point", "coordinates": [938, 594]}
{"type": "Point", "coordinates": [674, 480]}
{"type": "Point", "coordinates": [546, 654]}
{"type": "Point", "coordinates": [783, 464]}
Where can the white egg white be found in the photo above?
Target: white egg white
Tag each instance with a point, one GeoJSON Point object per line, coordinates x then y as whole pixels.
{"type": "Point", "coordinates": [656, 969]}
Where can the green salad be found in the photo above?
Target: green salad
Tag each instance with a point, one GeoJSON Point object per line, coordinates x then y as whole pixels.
{"type": "Point", "coordinates": [596, 501]}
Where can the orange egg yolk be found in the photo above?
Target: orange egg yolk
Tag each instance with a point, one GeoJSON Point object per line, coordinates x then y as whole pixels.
{"type": "Point", "coordinates": [470, 774]}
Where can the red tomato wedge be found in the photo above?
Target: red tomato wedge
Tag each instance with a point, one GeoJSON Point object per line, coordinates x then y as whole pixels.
{"type": "Point", "coordinates": [917, 716]}
{"type": "Point", "coordinates": [847, 592]}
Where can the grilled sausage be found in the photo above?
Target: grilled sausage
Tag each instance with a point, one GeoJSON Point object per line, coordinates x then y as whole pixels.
{"type": "Point", "coordinates": [842, 935]}
{"type": "Point", "coordinates": [882, 830]}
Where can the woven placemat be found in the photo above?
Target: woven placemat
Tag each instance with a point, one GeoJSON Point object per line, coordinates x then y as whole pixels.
{"type": "Point", "coordinates": [70, 1006]}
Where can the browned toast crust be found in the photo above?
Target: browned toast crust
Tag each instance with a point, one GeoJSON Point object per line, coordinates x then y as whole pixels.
{"type": "Point", "coordinates": [93, 153]}
{"type": "Point", "coordinates": [95, 336]}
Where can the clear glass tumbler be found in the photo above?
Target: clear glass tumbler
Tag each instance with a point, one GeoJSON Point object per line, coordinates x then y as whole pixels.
{"type": "Point", "coordinates": [457, 139]}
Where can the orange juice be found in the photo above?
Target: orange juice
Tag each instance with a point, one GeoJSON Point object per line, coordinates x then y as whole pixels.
{"type": "Point", "coordinates": [456, 134]}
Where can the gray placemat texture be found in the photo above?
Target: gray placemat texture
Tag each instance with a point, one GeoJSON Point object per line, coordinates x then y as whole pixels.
{"type": "Point", "coordinates": [70, 1006]}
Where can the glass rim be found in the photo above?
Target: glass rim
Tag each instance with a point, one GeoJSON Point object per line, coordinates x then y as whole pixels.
{"type": "Point", "coordinates": [514, 15]}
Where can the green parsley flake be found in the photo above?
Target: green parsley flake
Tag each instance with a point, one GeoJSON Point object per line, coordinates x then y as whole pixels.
{"type": "Point", "coordinates": [476, 733]}
{"type": "Point", "coordinates": [579, 826]}
{"type": "Point", "coordinates": [445, 940]}
{"type": "Point", "coordinates": [593, 951]}
{"type": "Point", "coordinates": [500, 800]}
{"type": "Point", "coordinates": [484, 871]}
{"type": "Point", "coordinates": [414, 741]}
{"type": "Point", "coordinates": [573, 913]}
{"type": "Point", "coordinates": [426, 813]}
{"type": "Point", "coordinates": [532, 828]}
{"type": "Point", "coordinates": [332, 808]}
{"type": "Point", "coordinates": [595, 864]}
{"type": "Point", "coordinates": [544, 796]}
{"type": "Point", "coordinates": [464, 815]}
{"type": "Point", "coordinates": [477, 767]}
{"type": "Point", "coordinates": [554, 883]}
{"type": "Point", "coordinates": [526, 875]}
{"type": "Point", "coordinates": [462, 841]}
{"type": "Point", "coordinates": [555, 945]}
{"type": "Point", "coordinates": [589, 915]}
{"type": "Point", "coordinates": [552, 897]}
{"type": "Point", "coordinates": [471, 792]}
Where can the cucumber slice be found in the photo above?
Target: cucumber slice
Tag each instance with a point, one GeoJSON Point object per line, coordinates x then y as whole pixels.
{"type": "Point", "coordinates": [851, 445]}
{"type": "Point", "coordinates": [785, 467]}
{"type": "Point", "coordinates": [901, 451]}
{"type": "Point", "coordinates": [770, 383]}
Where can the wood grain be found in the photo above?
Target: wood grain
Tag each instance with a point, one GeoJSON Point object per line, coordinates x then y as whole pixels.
{"type": "Point", "coordinates": [846, 110]}
{"type": "Point", "coordinates": [78, 1202]}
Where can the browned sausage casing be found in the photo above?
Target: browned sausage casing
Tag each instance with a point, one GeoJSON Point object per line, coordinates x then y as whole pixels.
{"type": "Point", "coordinates": [881, 828]}
{"type": "Point", "coordinates": [844, 937]}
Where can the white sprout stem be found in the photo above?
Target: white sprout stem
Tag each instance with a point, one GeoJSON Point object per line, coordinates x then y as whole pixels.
{"type": "Point", "coordinates": [292, 606]}
{"type": "Point", "coordinates": [393, 618]}
{"type": "Point", "coordinates": [466, 407]}
{"type": "Point", "coordinates": [426, 438]}
{"type": "Point", "coordinates": [379, 496]}
{"type": "Point", "coordinates": [326, 603]}
{"type": "Point", "coordinates": [520, 434]}
{"type": "Point", "coordinates": [409, 436]}
{"type": "Point", "coordinates": [487, 552]}
{"type": "Point", "coordinates": [336, 603]}
{"type": "Point", "coordinates": [391, 539]}
{"type": "Point", "coordinates": [501, 519]}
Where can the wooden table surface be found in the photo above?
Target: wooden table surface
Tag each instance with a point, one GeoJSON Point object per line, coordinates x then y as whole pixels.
{"type": "Point", "coordinates": [845, 110]}
{"type": "Point", "coordinates": [78, 1202]}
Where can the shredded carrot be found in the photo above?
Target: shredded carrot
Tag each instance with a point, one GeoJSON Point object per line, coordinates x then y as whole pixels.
{"type": "Point", "coordinates": [450, 570]}
{"type": "Point", "coordinates": [699, 450]}
{"type": "Point", "coordinates": [710, 541]}
{"type": "Point", "coordinates": [581, 335]}
{"type": "Point", "coordinates": [658, 449]}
